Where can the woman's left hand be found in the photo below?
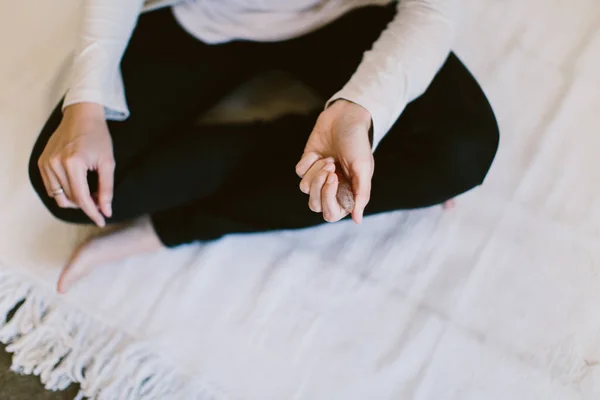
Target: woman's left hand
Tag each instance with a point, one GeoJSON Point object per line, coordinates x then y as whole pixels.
{"type": "Point", "coordinates": [338, 148]}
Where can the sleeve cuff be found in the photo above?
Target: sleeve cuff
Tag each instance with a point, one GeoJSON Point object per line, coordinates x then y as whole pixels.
{"type": "Point", "coordinates": [115, 105]}
{"type": "Point", "coordinates": [114, 110]}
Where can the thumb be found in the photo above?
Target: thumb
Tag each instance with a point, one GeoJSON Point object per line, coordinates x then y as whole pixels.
{"type": "Point", "coordinates": [106, 176]}
{"type": "Point", "coordinates": [362, 173]}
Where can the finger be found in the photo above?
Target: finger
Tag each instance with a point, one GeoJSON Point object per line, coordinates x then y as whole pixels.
{"type": "Point", "coordinates": [54, 184]}
{"type": "Point", "coordinates": [361, 183]}
{"type": "Point", "coordinates": [45, 180]}
{"type": "Point", "coordinates": [314, 201]}
{"type": "Point", "coordinates": [307, 160]}
{"type": "Point", "coordinates": [77, 173]}
{"type": "Point", "coordinates": [106, 174]}
{"type": "Point", "coordinates": [58, 171]}
{"type": "Point", "coordinates": [316, 168]}
{"type": "Point", "coordinates": [332, 212]}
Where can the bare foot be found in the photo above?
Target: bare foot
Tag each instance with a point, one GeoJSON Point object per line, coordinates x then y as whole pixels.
{"type": "Point", "coordinates": [449, 204]}
{"type": "Point", "coordinates": [110, 246]}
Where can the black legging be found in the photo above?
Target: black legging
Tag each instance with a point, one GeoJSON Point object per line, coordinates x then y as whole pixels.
{"type": "Point", "coordinates": [203, 182]}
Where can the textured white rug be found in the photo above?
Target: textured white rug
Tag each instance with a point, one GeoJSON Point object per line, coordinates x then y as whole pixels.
{"type": "Point", "coordinates": [496, 300]}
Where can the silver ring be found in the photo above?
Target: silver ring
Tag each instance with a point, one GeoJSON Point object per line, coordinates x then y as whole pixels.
{"type": "Point", "coordinates": [58, 192]}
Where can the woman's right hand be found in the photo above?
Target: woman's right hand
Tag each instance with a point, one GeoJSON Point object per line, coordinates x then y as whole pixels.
{"type": "Point", "coordinates": [81, 143]}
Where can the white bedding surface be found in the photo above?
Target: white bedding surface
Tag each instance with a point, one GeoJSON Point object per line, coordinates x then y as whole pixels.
{"type": "Point", "coordinates": [497, 299]}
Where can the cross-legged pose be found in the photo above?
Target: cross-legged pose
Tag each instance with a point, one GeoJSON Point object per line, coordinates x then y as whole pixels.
{"type": "Point", "coordinates": [403, 123]}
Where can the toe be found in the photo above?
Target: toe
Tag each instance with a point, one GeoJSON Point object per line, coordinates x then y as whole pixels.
{"type": "Point", "coordinates": [449, 204]}
{"type": "Point", "coordinates": [66, 278]}
{"type": "Point", "coordinates": [69, 274]}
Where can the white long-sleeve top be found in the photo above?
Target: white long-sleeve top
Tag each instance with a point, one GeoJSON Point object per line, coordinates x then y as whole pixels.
{"type": "Point", "coordinates": [396, 70]}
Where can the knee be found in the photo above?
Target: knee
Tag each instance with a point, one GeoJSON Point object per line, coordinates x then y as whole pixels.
{"type": "Point", "coordinates": [487, 142]}
{"type": "Point", "coordinates": [473, 126]}
{"type": "Point", "coordinates": [474, 151]}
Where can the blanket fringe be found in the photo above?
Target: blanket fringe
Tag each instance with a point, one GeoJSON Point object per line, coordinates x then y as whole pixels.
{"type": "Point", "coordinates": [63, 345]}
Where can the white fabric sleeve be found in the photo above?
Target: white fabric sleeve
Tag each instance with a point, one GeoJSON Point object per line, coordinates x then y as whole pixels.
{"type": "Point", "coordinates": [403, 61]}
{"type": "Point", "coordinates": [106, 27]}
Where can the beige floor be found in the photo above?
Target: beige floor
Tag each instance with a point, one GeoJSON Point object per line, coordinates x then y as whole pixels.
{"type": "Point", "coordinates": [25, 387]}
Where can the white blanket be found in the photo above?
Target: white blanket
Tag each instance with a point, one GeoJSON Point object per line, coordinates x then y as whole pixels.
{"type": "Point", "coordinates": [497, 299]}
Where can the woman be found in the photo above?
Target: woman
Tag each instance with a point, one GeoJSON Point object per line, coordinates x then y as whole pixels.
{"type": "Point", "coordinates": [107, 159]}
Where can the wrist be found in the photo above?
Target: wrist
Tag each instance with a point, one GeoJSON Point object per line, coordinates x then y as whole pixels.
{"type": "Point", "coordinates": [87, 111]}
{"type": "Point", "coordinates": [361, 114]}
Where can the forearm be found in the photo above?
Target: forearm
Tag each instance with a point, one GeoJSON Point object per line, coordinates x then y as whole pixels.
{"type": "Point", "coordinates": [106, 27]}
{"type": "Point", "coordinates": [403, 61]}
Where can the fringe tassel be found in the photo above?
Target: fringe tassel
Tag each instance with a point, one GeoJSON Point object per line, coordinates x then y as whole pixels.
{"type": "Point", "coordinates": [62, 346]}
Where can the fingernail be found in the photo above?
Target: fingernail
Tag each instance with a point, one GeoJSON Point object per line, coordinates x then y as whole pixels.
{"type": "Point", "coordinates": [109, 210]}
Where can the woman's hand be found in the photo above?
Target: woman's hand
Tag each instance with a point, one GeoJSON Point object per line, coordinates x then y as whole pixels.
{"type": "Point", "coordinates": [81, 143]}
{"type": "Point", "coordinates": [338, 149]}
